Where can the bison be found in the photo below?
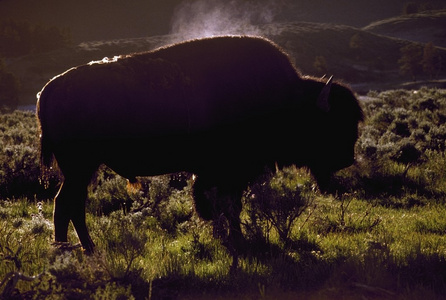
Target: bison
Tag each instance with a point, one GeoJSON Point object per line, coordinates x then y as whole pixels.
{"type": "Point", "coordinates": [222, 108]}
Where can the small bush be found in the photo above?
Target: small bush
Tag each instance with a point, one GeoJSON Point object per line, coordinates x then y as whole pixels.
{"type": "Point", "coordinates": [109, 193]}
{"type": "Point", "coordinates": [124, 245]}
{"type": "Point", "coordinates": [276, 201]}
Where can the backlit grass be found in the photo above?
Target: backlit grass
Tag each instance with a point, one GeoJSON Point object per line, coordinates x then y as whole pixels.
{"type": "Point", "coordinates": [381, 236]}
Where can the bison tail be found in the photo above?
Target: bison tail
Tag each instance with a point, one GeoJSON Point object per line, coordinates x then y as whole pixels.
{"type": "Point", "coordinates": [46, 160]}
{"type": "Point", "coordinates": [46, 154]}
{"type": "Point", "coordinates": [46, 150]}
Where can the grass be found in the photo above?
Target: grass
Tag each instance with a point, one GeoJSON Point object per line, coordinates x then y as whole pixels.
{"type": "Point", "coordinates": [380, 237]}
{"type": "Point", "coordinates": [396, 257]}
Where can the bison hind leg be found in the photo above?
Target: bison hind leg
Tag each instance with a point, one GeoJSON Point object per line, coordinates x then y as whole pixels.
{"type": "Point", "coordinates": [70, 206]}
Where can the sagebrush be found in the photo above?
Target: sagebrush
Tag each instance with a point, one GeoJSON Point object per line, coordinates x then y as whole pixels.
{"type": "Point", "coordinates": [380, 236]}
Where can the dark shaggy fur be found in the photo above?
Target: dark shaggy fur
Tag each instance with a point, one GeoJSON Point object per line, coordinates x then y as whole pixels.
{"type": "Point", "coordinates": [222, 108]}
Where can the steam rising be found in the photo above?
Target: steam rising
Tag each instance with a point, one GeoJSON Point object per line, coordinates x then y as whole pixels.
{"type": "Point", "coordinates": [206, 18]}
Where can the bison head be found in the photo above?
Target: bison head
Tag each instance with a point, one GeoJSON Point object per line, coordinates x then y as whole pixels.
{"type": "Point", "coordinates": [333, 122]}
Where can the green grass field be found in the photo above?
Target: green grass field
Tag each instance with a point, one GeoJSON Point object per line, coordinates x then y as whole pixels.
{"type": "Point", "coordinates": [382, 236]}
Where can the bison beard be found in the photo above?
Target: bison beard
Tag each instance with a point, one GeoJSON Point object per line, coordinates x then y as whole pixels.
{"type": "Point", "coordinates": [222, 108]}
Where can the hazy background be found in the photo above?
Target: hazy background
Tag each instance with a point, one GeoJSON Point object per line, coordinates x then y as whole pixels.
{"type": "Point", "coordinates": [373, 45]}
{"type": "Point", "coordinates": [90, 20]}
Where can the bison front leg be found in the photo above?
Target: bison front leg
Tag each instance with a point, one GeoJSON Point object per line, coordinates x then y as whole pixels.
{"type": "Point", "coordinates": [232, 208]}
{"type": "Point", "coordinates": [223, 206]}
{"type": "Point", "coordinates": [70, 206]}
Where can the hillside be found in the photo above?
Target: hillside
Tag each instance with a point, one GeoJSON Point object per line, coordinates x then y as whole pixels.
{"type": "Point", "coordinates": [374, 60]}
{"type": "Point", "coordinates": [423, 27]}
{"type": "Point", "coordinates": [371, 65]}
{"type": "Point", "coordinates": [322, 37]}
{"type": "Point", "coordinates": [115, 19]}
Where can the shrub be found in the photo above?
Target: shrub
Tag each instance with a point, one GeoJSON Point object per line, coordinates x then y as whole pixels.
{"type": "Point", "coordinates": [276, 201]}
{"type": "Point", "coordinates": [19, 171]}
{"type": "Point", "coordinates": [437, 138]}
{"type": "Point", "coordinates": [124, 244]}
{"type": "Point", "coordinates": [382, 119]}
{"type": "Point", "coordinates": [19, 158]}
{"type": "Point", "coordinates": [387, 235]}
{"type": "Point", "coordinates": [156, 197]}
{"type": "Point", "coordinates": [400, 128]}
{"type": "Point", "coordinates": [406, 152]}
{"type": "Point", "coordinates": [109, 193]}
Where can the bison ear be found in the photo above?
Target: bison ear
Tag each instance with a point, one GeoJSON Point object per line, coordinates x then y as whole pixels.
{"type": "Point", "coordinates": [322, 100]}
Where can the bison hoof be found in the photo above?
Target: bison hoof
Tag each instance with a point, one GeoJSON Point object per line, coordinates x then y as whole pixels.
{"type": "Point", "coordinates": [65, 246]}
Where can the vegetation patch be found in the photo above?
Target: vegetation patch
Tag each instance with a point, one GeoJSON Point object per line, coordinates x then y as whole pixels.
{"type": "Point", "coordinates": [379, 236]}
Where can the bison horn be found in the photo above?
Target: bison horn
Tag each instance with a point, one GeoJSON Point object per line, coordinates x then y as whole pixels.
{"type": "Point", "coordinates": [322, 100]}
